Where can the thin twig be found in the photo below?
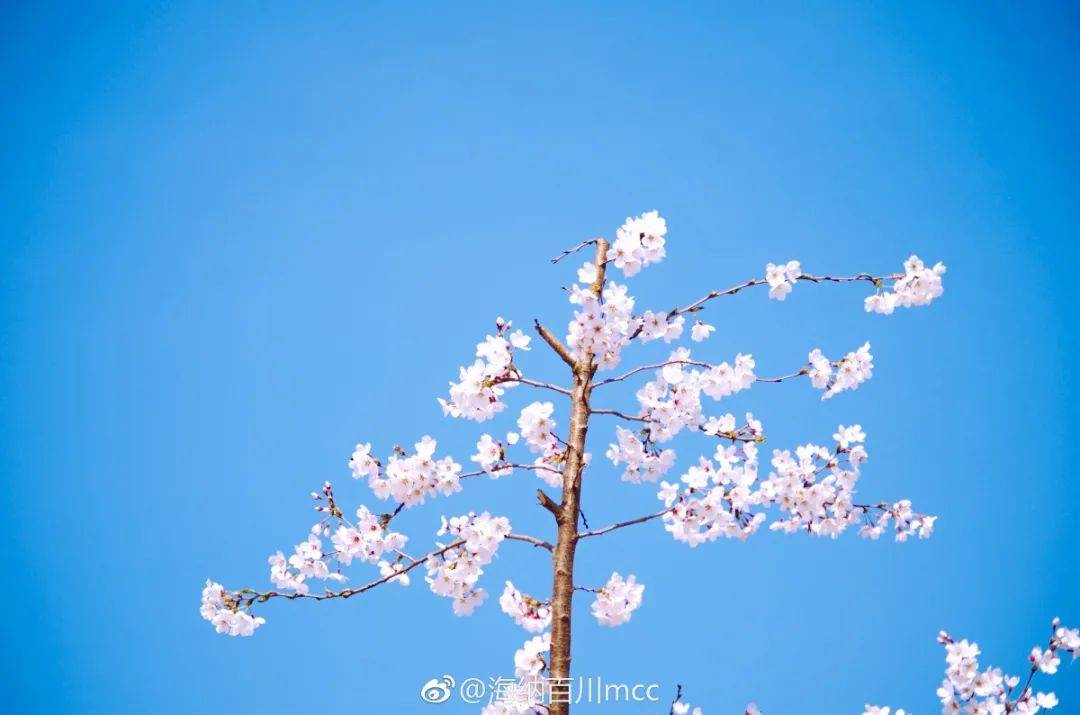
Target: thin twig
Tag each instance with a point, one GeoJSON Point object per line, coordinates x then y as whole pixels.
{"type": "Point", "coordinates": [783, 378]}
{"type": "Point", "coordinates": [536, 468]}
{"type": "Point", "coordinates": [498, 466]}
{"type": "Point", "coordinates": [678, 697]}
{"type": "Point", "coordinates": [535, 383]}
{"type": "Point", "coordinates": [693, 363]}
{"type": "Point", "coordinates": [657, 366]}
{"type": "Point", "coordinates": [575, 249]}
{"type": "Point", "coordinates": [616, 413]}
{"type": "Point", "coordinates": [622, 524]}
{"type": "Point", "coordinates": [700, 302]}
{"type": "Point", "coordinates": [531, 540]}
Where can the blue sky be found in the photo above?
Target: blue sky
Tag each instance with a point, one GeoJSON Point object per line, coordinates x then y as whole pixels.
{"type": "Point", "coordinates": [237, 238]}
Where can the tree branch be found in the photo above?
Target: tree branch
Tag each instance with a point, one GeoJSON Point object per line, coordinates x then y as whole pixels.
{"type": "Point", "coordinates": [555, 344]}
{"type": "Point", "coordinates": [249, 596]}
{"type": "Point", "coordinates": [534, 383]}
{"type": "Point", "coordinates": [547, 503]}
{"type": "Point", "coordinates": [616, 413]}
{"type": "Point", "coordinates": [784, 378]}
{"type": "Point", "coordinates": [575, 249]}
{"type": "Point", "coordinates": [499, 466]}
{"type": "Point", "coordinates": [734, 435]}
{"type": "Point", "coordinates": [700, 302]}
{"type": "Point", "coordinates": [657, 366]}
{"type": "Point", "coordinates": [540, 543]}
{"type": "Point", "coordinates": [623, 524]}
{"type": "Point", "coordinates": [694, 363]}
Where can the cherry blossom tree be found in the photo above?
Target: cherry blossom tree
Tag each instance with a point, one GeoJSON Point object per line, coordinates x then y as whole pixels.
{"type": "Point", "coordinates": [968, 689]}
{"type": "Point", "coordinates": [723, 493]}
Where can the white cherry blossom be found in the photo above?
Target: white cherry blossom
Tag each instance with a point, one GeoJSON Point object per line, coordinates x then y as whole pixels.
{"type": "Point", "coordinates": [587, 273]}
{"type": "Point", "coordinates": [362, 463]}
{"type": "Point", "coordinates": [223, 611]}
{"type": "Point", "coordinates": [813, 490]}
{"type": "Point", "coordinates": [617, 600]}
{"type": "Point", "coordinates": [489, 454]}
{"type": "Point", "coordinates": [601, 327]}
{"type": "Point", "coordinates": [639, 242]}
{"type": "Point", "coordinates": [642, 464]}
{"type": "Point", "coordinates": [847, 373]}
{"type": "Point", "coordinates": [918, 285]}
{"type": "Point", "coordinates": [386, 568]}
{"type": "Point", "coordinates": [536, 426]}
{"type": "Point", "coordinates": [477, 393]}
{"type": "Point", "coordinates": [970, 688]}
{"type": "Point", "coordinates": [532, 615]}
{"type": "Point", "coordinates": [455, 572]}
{"type": "Point", "coordinates": [781, 278]}
{"type": "Point", "coordinates": [366, 541]}
{"type": "Point", "coordinates": [701, 331]}
{"type": "Point", "coordinates": [410, 479]}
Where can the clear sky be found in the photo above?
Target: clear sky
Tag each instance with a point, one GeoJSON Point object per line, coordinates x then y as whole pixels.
{"type": "Point", "coordinates": [239, 237]}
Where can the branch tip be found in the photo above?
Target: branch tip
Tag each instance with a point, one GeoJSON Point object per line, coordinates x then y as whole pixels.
{"type": "Point", "coordinates": [548, 503]}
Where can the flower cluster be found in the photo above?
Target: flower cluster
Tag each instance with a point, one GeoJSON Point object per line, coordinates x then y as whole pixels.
{"type": "Point", "coordinates": [454, 572]}
{"type": "Point", "coordinates": [537, 428]}
{"type": "Point", "coordinates": [488, 454]}
{"type": "Point", "coordinates": [847, 373]}
{"type": "Point", "coordinates": [642, 464]}
{"type": "Point", "coordinates": [993, 692]}
{"type": "Point", "coordinates": [716, 499]}
{"type": "Point", "coordinates": [525, 696]}
{"type": "Point", "coordinates": [410, 479]}
{"type": "Point", "coordinates": [363, 464]}
{"type": "Point", "coordinates": [723, 379]}
{"type": "Point", "coordinates": [366, 541]}
{"type": "Point", "coordinates": [672, 401]}
{"type": "Point", "coordinates": [617, 600]}
{"type": "Point", "coordinates": [682, 708]}
{"type": "Point", "coordinates": [906, 522]}
{"type": "Point", "coordinates": [601, 327]}
{"type": "Point", "coordinates": [679, 707]}
{"type": "Point", "coordinates": [814, 489]}
{"type": "Point", "coordinates": [918, 286]}
{"type": "Point", "coordinates": [654, 326]}
{"type": "Point", "coordinates": [307, 561]}
{"type": "Point", "coordinates": [285, 578]}
{"type": "Point", "coordinates": [223, 610]}
{"type": "Point", "coordinates": [639, 242]}
{"type": "Point", "coordinates": [476, 395]}
{"type": "Point", "coordinates": [532, 615]}
{"type": "Point", "coordinates": [529, 660]}
{"type": "Point", "coordinates": [823, 505]}
{"type": "Point", "coordinates": [725, 427]}
{"type": "Point", "coordinates": [781, 278]}
{"type": "Point", "coordinates": [386, 568]}
{"type": "Point", "coordinates": [969, 689]}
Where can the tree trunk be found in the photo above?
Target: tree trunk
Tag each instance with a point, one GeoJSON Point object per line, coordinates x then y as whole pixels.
{"type": "Point", "coordinates": [568, 512]}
